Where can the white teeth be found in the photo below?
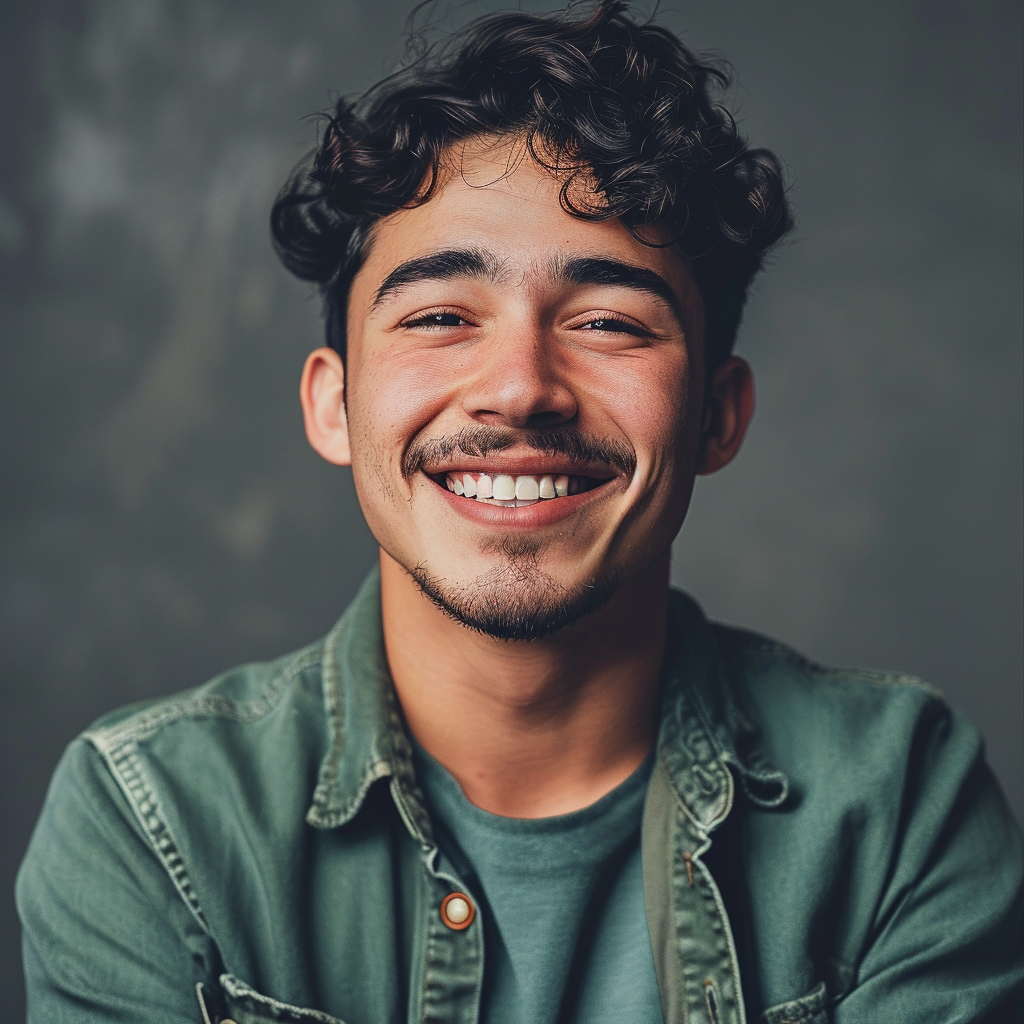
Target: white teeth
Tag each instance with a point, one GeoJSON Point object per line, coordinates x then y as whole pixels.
{"type": "Point", "coordinates": [511, 491]}
{"type": "Point", "coordinates": [504, 487]}
{"type": "Point", "coordinates": [527, 488]}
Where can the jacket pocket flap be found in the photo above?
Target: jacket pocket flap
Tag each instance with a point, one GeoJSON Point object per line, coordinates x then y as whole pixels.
{"type": "Point", "coordinates": [809, 1009]}
{"type": "Point", "coordinates": [244, 1005]}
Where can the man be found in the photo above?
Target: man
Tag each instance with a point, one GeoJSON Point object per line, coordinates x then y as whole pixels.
{"type": "Point", "coordinates": [522, 780]}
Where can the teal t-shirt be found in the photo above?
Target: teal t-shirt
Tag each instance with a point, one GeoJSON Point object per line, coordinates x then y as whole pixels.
{"type": "Point", "coordinates": [562, 900]}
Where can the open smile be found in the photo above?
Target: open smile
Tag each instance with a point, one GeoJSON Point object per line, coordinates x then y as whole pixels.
{"type": "Point", "coordinates": [522, 492]}
{"type": "Point", "coordinates": [509, 491]}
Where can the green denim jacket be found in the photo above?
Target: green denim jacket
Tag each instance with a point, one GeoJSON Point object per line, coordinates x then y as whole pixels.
{"type": "Point", "coordinates": [817, 846]}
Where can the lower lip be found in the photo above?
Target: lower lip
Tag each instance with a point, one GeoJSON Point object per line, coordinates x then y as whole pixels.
{"type": "Point", "coordinates": [524, 517]}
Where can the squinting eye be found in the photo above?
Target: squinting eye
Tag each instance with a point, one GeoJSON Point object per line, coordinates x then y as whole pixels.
{"type": "Point", "coordinates": [437, 320]}
{"type": "Point", "coordinates": [605, 323]}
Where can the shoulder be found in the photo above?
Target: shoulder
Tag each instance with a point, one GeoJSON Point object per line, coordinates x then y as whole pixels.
{"type": "Point", "coordinates": [147, 825]}
{"type": "Point", "coordinates": [764, 662]}
{"type": "Point", "coordinates": [881, 771]}
{"type": "Point", "coordinates": [893, 827]}
{"type": "Point", "coordinates": [877, 754]}
{"type": "Point", "coordinates": [244, 723]}
{"type": "Point", "coordinates": [188, 772]}
{"type": "Point", "coordinates": [244, 747]}
{"type": "Point", "coordinates": [167, 790]}
{"type": "Point", "coordinates": [242, 695]}
{"type": "Point", "coordinates": [812, 717]}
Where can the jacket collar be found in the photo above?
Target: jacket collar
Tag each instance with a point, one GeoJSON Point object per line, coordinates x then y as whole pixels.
{"type": "Point", "coordinates": [368, 740]}
{"type": "Point", "coordinates": [703, 730]}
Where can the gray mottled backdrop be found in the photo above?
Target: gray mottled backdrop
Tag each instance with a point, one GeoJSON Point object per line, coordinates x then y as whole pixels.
{"type": "Point", "coordinates": [163, 517]}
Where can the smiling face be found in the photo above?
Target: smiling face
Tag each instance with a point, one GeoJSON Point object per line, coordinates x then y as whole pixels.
{"type": "Point", "coordinates": [522, 407]}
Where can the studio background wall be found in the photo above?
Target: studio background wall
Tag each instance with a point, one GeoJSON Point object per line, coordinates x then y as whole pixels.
{"type": "Point", "coordinates": [162, 515]}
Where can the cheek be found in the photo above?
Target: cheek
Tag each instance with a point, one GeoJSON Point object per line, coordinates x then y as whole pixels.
{"type": "Point", "coordinates": [654, 409]}
{"type": "Point", "coordinates": [390, 401]}
{"type": "Point", "coordinates": [647, 397]}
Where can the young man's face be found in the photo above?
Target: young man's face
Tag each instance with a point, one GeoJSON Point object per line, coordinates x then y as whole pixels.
{"type": "Point", "coordinates": [523, 395]}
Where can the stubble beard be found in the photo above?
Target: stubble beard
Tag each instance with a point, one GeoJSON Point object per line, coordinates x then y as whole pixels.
{"type": "Point", "coordinates": [516, 600]}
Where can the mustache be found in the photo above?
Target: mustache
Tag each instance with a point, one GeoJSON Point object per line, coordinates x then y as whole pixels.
{"type": "Point", "coordinates": [477, 442]}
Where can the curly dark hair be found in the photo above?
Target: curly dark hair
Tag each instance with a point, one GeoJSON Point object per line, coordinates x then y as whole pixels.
{"type": "Point", "coordinates": [622, 103]}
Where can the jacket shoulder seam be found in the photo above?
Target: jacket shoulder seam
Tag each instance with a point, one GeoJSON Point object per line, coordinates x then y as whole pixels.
{"type": "Point", "coordinates": [118, 746]}
{"type": "Point", "coordinates": [763, 645]}
{"type": "Point", "coordinates": [145, 723]}
{"type": "Point", "coordinates": [126, 767]}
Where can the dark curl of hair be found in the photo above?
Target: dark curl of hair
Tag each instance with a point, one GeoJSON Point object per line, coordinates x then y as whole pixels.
{"type": "Point", "coordinates": [623, 107]}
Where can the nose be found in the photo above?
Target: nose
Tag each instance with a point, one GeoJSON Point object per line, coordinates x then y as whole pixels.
{"type": "Point", "coordinates": [519, 385]}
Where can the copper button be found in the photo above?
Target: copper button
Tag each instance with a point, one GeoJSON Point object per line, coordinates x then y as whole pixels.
{"type": "Point", "coordinates": [457, 911]}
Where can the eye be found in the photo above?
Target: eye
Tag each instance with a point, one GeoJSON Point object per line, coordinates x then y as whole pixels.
{"type": "Point", "coordinates": [612, 325]}
{"type": "Point", "coordinates": [439, 319]}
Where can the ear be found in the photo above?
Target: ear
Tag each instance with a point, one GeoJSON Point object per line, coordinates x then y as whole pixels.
{"type": "Point", "coordinates": [322, 393]}
{"type": "Point", "coordinates": [727, 414]}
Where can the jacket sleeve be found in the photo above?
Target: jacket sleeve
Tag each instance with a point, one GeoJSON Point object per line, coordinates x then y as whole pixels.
{"type": "Point", "coordinates": [947, 940]}
{"type": "Point", "coordinates": [106, 935]}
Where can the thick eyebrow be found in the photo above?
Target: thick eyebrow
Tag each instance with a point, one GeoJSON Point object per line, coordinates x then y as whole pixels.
{"type": "Point", "coordinates": [601, 270]}
{"type": "Point", "coordinates": [439, 266]}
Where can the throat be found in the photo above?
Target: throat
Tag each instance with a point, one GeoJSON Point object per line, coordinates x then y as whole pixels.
{"type": "Point", "coordinates": [529, 729]}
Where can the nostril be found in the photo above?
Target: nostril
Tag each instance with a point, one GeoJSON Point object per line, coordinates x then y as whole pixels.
{"type": "Point", "coordinates": [533, 421]}
{"type": "Point", "coordinates": [543, 420]}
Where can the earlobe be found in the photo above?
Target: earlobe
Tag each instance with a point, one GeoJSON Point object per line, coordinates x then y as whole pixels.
{"type": "Point", "coordinates": [322, 394]}
{"type": "Point", "coordinates": [729, 409]}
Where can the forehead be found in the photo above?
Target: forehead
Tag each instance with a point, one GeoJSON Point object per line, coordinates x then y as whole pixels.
{"type": "Point", "coordinates": [494, 197]}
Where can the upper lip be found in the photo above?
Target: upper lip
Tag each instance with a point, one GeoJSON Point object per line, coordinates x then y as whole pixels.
{"type": "Point", "coordinates": [532, 464]}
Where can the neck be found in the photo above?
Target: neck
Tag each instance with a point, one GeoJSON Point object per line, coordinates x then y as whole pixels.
{"type": "Point", "coordinates": [531, 729]}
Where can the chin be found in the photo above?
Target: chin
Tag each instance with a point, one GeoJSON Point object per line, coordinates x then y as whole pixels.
{"type": "Point", "coordinates": [516, 600]}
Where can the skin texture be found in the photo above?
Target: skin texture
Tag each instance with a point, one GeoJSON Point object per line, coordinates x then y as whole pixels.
{"type": "Point", "coordinates": [546, 726]}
